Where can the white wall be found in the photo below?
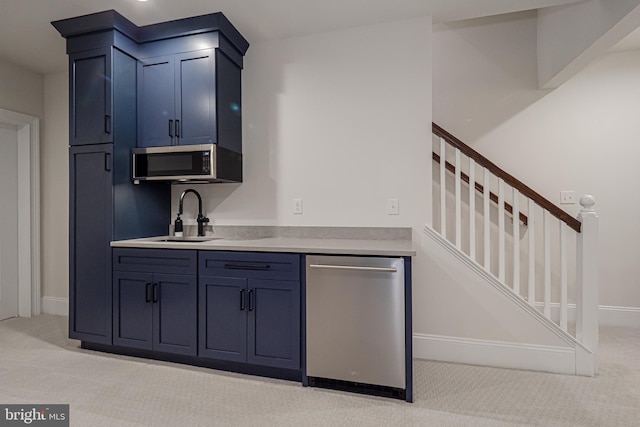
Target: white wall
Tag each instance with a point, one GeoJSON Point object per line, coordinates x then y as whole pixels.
{"type": "Point", "coordinates": [340, 120]}
{"type": "Point", "coordinates": [582, 136]}
{"type": "Point", "coordinates": [21, 90]}
{"type": "Point", "coordinates": [54, 188]}
{"type": "Point", "coordinates": [484, 72]}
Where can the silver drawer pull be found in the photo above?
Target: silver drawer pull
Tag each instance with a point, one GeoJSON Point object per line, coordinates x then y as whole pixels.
{"type": "Point", "coordinates": [353, 267]}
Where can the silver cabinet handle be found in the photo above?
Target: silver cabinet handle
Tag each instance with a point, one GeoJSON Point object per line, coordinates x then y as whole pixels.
{"type": "Point", "coordinates": [353, 267]}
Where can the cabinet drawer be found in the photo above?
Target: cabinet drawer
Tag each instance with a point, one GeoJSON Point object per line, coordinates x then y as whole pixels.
{"type": "Point", "coordinates": [172, 261]}
{"type": "Point", "coordinates": [250, 265]}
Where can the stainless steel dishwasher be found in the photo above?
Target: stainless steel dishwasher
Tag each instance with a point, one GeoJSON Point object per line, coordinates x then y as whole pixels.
{"type": "Point", "coordinates": [355, 324]}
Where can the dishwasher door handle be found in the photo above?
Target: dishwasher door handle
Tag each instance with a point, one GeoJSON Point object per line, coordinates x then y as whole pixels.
{"type": "Point", "coordinates": [354, 267]}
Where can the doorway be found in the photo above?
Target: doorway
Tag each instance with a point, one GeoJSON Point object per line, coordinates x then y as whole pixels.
{"type": "Point", "coordinates": [19, 215]}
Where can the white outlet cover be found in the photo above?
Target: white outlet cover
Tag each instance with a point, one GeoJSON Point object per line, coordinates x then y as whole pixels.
{"type": "Point", "coordinates": [568, 197]}
{"type": "Point", "coordinates": [393, 207]}
{"type": "Point", "coordinates": [296, 207]}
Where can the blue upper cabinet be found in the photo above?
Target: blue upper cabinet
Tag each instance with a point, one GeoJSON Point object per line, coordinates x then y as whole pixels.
{"type": "Point", "coordinates": [90, 119]}
{"type": "Point", "coordinates": [156, 102]}
{"type": "Point", "coordinates": [177, 99]}
{"type": "Point", "coordinates": [188, 79]}
{"type": "Point", "coordinates": [190, 98]}
{"type": "Point", "coordinates": [196, 97]}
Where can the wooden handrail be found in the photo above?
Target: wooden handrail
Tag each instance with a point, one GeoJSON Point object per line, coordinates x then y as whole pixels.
{"type": "Point", "coordinates": [480, 189]}
{"type": "Point", "coordinates": [508, 178]}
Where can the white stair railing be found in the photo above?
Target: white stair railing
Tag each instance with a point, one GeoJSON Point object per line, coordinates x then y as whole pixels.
{"type": "Point", "coordinates": [522, 239]}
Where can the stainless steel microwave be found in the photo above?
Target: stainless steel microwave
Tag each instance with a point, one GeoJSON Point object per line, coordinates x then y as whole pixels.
{"type": "Point", "coordinates": [203, 163]}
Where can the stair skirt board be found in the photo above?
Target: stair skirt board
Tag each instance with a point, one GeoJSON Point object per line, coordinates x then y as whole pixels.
{"type": "Point", "coordinates": [574, 359]}
{"type": "Point", "coordinates": [498, 354]}
{"type": "Point", "coordinates": [495, 283]}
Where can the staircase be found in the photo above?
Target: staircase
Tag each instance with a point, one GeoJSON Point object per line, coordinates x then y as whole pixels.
{"type": "Point", "coordinates": [520, 244]}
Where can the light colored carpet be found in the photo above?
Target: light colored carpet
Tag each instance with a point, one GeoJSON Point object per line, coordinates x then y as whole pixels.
{"type": "Point", "coordinates": [38, 364]}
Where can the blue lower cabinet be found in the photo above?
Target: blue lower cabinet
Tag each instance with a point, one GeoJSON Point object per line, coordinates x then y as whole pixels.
{"type": "Point", "coordinates": [273, 335]}
{"type": "Point", "coordinates": [91, 221]}
{"type": "Point", "coordinates": [223, 318]}
{"type": "Point", "coordinates": [155, 311]}
{"type": "Point", "coordinates": [250, 314]}
{"type": "Point", "coordinates": [243, 307]}
{"type": "Point", "coordinates": [133, 310]}
{"type": "Point", "coordinates": [175, 314]}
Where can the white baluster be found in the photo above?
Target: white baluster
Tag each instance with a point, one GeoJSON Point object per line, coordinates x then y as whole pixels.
{"type": "Point", "coordinates": [487, 219]}
{"type": "Point", "coordinates": [501, 238]}
{"type": "Point", "coordinates": [443, 188]}
{"type": "Point", "coordinates": [458, 199]}
{"type": "Point", "coordinates": [532, 253]}
{"type": "Point", "coordinates": [516, 241]}
{"type": "Point", "coordinates": [587, 283]}
{"type": "Point", "coordinates": [547, 264]}
{"type": "Point", "coordinates": [563, 275]}
{"type": "Point", "coordinates": [472, 209]}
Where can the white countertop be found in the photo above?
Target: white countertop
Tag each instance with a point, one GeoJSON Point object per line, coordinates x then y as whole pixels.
{"type": "Point", "coordinates": [281, 244]}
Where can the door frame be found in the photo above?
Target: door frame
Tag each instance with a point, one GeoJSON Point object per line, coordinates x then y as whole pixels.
{"type": "Point", "coordinates": [28, 128]}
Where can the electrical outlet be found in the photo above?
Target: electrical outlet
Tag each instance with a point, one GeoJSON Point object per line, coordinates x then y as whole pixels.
{"type": "Point", "coordinates": [392, 207]}
{"type": "Point", "coordinates": [296, 208]}
{"type": "Point", "coordinates": [567, 197]}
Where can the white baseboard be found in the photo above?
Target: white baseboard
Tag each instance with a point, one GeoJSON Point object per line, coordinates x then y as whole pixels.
{"type": "Point", "coordinates": [608, 315]}
{"type": "Point", "coordinates": [619, 316]}
{"type": "Point", "coordinates": [55, 305]}
{"type": "Point", "coordinates": [532, 357]}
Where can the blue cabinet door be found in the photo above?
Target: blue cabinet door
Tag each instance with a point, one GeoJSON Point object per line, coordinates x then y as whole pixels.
{"type": "Point", "coordinates": [156, 102]}
{"type": "Point", "coordinates": [177, 99]}
{"type": "Point", "coordinates": [273, 335]}
{"type": "Point", "coordinates": [175, 319]}
{"type": "Point", "coordinates": [90, 109]}
{"type": "Point", "coordinates": [90, 231]}
{"type": "Point", "coordinates": [195, 98]}
{"type": "Point", "coordinates": [223, 318]}
{"type": "Point", "coordinates": [133, 309]}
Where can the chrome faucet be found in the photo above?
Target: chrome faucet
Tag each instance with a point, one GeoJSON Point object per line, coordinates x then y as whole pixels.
{"type": "Point", "coordinates": [201, 220]}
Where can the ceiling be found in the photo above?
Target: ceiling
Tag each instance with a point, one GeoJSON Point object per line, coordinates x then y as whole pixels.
{"type": "Point", "coordinates": [28, 39]}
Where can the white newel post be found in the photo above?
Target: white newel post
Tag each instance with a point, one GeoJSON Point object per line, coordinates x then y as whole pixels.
{"type": "Point", "coordinates": [587, 284]}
